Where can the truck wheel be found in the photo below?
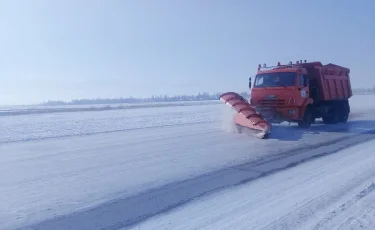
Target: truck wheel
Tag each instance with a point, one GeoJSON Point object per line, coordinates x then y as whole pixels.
{"type": "Point", "coordinates": [330, 119]}
{"type": "Point", "coordinates": [333, 117]}
{"type": "Point", "coordinates": [344, 112]}
{"type": "Point", "coordinates": [307, 119]}
{"type": "Point", "coordinates": [343, 118]}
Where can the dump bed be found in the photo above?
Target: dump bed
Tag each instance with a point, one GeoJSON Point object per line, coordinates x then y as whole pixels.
{"type": "Point", "coordinates": [333, 81]}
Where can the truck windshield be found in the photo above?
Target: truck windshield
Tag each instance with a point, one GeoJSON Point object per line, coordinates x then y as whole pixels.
{"type": "Point", "coordinates": [275, 80]}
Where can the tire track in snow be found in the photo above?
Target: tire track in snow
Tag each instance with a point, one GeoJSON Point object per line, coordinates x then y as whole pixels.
{"type": "Point", "coordinates": [126, 212]}
{"type": "Point", "coordinates": [345, 206]}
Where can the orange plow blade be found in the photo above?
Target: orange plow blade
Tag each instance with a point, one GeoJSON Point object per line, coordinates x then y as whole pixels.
{"type": "Point", "coordinates": [246, 115]}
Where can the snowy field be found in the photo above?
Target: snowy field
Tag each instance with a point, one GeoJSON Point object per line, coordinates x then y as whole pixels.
{"type": "Point", "coordinates": [43, 109]}
{"type": "Point", "coordinates": [184, 167]}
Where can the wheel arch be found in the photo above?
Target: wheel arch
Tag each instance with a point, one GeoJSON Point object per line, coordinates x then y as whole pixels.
{"type": "Point", "coordinates": [307, 102]}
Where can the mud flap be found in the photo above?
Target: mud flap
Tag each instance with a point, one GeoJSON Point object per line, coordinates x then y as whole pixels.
{"type": "Point", "coordinates": [246, 115]}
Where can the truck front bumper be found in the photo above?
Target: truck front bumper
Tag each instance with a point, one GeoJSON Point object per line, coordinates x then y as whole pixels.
{"type": "Point", "coordinates": [279, 114]}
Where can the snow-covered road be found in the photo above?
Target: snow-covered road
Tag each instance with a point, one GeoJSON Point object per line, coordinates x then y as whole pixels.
{"type": "Point", "coordinates": [334, 192]}
{"type": "Point", "coordinates": [115, 169]}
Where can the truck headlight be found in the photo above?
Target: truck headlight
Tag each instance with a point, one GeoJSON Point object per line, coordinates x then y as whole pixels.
{"type": "Point", "coordinates": [291, 111]}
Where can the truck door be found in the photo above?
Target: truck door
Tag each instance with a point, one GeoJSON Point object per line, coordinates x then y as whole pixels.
{"type": "Point", "coordinates": [303, 86]}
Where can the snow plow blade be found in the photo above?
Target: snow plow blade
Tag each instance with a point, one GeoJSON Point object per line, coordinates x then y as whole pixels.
{"type": "Point", "coordinates": [246, 115]}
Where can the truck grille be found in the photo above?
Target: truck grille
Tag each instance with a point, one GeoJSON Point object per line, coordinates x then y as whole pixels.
{"type": "Point", "coordinates": [271, 102]}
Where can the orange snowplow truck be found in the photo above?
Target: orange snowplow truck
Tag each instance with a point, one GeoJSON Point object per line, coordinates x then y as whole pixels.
{"type": "Point", "coordinates": [298, 92]}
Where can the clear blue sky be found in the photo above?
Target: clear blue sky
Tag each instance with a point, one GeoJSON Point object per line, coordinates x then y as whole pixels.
{"type": "Point", "coordinates": [66, 49]}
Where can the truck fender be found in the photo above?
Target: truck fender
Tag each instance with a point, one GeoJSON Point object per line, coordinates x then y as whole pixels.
{"type": "Point", "coordinates": [306, 102]}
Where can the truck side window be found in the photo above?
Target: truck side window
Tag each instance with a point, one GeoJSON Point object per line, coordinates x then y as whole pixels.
{"type": "Point", "coordinates": [300, 80]}
{"type": "Point", "coordinates": [303, 80]}
{"type": "Point", "coordinates": [259, 80]}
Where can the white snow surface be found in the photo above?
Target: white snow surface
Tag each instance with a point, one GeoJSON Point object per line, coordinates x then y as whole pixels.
{"type": "Point", "coordinates": [337, 192]}
{"type": "Point", "coordinates": [149, 167]}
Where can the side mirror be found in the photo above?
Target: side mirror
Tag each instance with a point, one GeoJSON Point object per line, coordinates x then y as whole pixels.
{"type": "Point", "coordinates": [250, 83]}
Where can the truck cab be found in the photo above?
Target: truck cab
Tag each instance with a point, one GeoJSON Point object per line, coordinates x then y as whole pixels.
{"type": "Point", "coordinates": [280, 93]}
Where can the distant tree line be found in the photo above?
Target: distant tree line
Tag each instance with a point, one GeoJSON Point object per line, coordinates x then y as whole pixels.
{"type": "Point", "coordinates": [165, 98]}
{"type": "Point", "coordinates": [161, 98]}
{"type": "Point", "coordinates": [364, 90]}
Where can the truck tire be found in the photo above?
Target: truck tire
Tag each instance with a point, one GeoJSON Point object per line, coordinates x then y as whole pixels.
{"type": "Point", "coordinates": [343, 118]}
{"type": "Point", "coordinates": [333, 119]}
{"type": "Point", "coordinates": [307, 119]}
{"type": "Point", "coordinates": [344, 112]}
{"type": "Point", "coordinates": [333, 116]}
